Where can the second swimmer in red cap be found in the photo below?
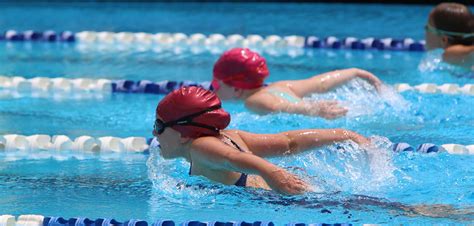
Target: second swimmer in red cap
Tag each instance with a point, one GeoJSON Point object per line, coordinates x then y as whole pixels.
{"type": "Point", "coordinates": [190, 124]}
{"type": "Point", "coordinates": [240, 73]}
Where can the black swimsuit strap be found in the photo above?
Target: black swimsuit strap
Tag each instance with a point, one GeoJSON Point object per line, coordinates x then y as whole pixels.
{"type": "Point", "coordinates": [242, 181]}
{"type": "Point", "coordinates": [233, 143]}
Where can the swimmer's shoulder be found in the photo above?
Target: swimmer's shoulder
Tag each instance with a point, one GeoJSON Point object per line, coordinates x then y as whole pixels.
{"type": "Point", "coordinates": [261, 102]}
{"type": "Point", "coordinates": [236, 134]}
{"type": "Point", "coordinates": [207, 151]}
{"type": "Point", "coordinates": [201, 142]}
{"type": "Point", "coordinates": [459, 55]}
{"type": "Point", "coordinates": [209, 142]}
{"type": "Point", "coordinates": [264, 102]}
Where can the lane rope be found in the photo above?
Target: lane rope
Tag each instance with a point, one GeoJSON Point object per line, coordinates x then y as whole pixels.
{"type": "Point", "coordinates": [86, 85]}
{"type": "Point", "coordinates": [229, 41]}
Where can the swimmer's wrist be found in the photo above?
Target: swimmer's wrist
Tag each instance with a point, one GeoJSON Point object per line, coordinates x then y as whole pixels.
{"type": "Point", "coordinates": [270, 172]}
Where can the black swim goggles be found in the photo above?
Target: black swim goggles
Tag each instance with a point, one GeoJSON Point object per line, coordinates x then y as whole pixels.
{"type": "Point", "coordinates": [160, 126]}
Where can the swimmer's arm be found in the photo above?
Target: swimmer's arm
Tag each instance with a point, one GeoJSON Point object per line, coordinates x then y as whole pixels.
{"type": "Point", "coordinates": [296, 141]}
{"type": "Point", "coordinates": [459, 55]}
{"type": "Point", "coordinates": [216, 155]}
{"type": "Point", "coordinates": [264, 104]}
{"type": "Point", "coordinates": [325, 82]}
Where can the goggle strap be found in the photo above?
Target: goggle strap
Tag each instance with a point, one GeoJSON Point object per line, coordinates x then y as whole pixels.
{"type": "Point", "coordinates": [450, 33]}
{"type": "Point", "coordinates": [186, 119]}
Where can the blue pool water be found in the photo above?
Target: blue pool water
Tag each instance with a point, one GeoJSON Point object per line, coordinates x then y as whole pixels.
{"type": "Point", "coordinates": [226, 18]}
{"type": "Point", "coordinates": [125, 186]}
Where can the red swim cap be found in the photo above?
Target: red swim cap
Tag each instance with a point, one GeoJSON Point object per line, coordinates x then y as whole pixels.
{"type": "Point", "coordinates": [188, 101]}
{"type": "Point", "coordinates": [241, 68]}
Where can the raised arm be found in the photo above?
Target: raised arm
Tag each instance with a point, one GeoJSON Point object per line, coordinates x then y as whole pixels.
{"type": "Point", "coordinates": [327, 81]}
{"type": "Point", "coordinates": [266, 103]}
{"type": "Point", "coordinates": [211, 152]}
{"type": "Point", "coordinates": [297, 141]}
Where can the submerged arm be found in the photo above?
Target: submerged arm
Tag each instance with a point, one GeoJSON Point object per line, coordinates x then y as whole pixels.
{"type": "Point", "coordinates": [296, 141]}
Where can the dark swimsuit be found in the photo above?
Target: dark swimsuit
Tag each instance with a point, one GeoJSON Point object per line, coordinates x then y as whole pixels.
{"type": "Point", "coordinates": [242, 181]}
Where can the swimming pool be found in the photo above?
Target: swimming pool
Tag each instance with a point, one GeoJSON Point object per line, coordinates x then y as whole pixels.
{"type": "Point", "coordinates": [142, 186]}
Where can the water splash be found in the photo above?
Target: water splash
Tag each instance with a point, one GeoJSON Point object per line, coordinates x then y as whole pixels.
{"type": "Point", "coordinates": [362, 99]}
{"type": "Point", "coordinates": [171, 181]}
{"type": "Point", "coordinates": [433, 62]}
{"type": "Point", "coordinates": [347, 167]}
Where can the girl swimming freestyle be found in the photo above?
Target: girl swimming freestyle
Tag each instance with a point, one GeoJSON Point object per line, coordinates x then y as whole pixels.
{"type": "Point", "coordinates": [450, 27]}
{"type": "Point", "coordinates": [190, 124]}
{"type": "Point", "coordinates": [240, 73]}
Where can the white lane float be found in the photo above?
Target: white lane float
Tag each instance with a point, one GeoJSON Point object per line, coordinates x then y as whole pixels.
{"type": "Point", "coordinates": [42, 142]}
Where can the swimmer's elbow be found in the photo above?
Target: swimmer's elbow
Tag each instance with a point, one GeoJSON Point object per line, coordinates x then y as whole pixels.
{"type": "Point", "coordinates": [291, 145]}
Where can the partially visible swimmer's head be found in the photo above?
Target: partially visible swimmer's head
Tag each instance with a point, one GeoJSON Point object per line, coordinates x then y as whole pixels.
{"type": "Point", "coordinates": [238, 69]}
{"type": "Point", "coordinates": [449, 24]}
{"type": "Point", "coordinates": [188, 113]}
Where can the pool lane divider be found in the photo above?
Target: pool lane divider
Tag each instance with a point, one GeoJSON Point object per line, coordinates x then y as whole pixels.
{"type": "Point", "coordinates": [59, 143]}
{"type": "Point", "coordinates": [88, 144]}
{"type": "Point", "coordinates": [66, 85]}
{"type": "Point", "coordinates": [448, 88]}
{"type": "Point", "coordinates": [455, 149]}
{"type": "Point", "coordinates": [218, 40]}
{"type": "Point", "coordinates": [38, 220]}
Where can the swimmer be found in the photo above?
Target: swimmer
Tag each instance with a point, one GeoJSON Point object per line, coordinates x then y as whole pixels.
{"type": "Point", "coordinates": [240, 73]}
{"type": "Point", "coordinates": [190, 124]}
{"type": "Point", "coordinates": [450, 27]}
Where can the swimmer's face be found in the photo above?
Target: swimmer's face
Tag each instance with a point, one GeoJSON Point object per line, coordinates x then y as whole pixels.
{"type": "Point", "coordinates": [433, 40]}
{"type": "Point", "coordinates": [170, 142]}
{"type": "Point", "coordinates": [226, 92]}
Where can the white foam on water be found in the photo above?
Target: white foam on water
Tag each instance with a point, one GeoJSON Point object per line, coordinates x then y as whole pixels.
{"type": "Point", "coordinates": [361, 98]}
{"type": "Point", "coordinates": [341, 167]}
{"type": "Point", "coordinates": [432, 61]}
{"type": "Point", "coordinates": [171, 180]}
{"type": "Point", "coordinates": [347, 167]}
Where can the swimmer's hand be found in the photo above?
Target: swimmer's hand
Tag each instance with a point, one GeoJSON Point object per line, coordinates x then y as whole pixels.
{"type": "Point", "coordinates": [284, 182]}
{"type": "Point", "coordinates": [359, 139]}
{"type": "Point", "coordinates": [369, 77]}
{"type": "Point", "coordinates": [328, 109]}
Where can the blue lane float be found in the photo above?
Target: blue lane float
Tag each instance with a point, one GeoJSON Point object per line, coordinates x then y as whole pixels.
{"type": "Point", "coordinates": [274, 41]}
{"type": "Point", "coordinates": [422, 148]}
{"type": "Point", "coordinates": [38, 220]}
{"type": "Point", "coordinates": [46, 36]}
{"type": "Point", "coordinates": [146, 86]}
{"type": "Point", "coordinates": [59, 221]}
